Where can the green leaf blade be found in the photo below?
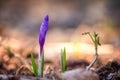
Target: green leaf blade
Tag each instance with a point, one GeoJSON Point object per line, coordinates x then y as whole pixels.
{"type": "Point", "coordinates": [34, 66]}
{"type": "Point", "coordinates": [63, 60]}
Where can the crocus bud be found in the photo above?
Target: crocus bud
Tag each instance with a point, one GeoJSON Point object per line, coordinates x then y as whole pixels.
{"type": "Point", "coordinates": [43, 31]}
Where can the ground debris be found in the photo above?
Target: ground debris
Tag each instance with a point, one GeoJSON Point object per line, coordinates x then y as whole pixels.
{"type": "Point", "coordinates": [80, 74]}
{"type": "Point", "coordinates": [110, 71]}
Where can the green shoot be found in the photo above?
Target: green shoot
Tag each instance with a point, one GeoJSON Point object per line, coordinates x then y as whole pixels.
{"type": "Point", "coordinates": [95, 40]}
{"type": "Point", "coordinates": [10, 53]}
{"type": "Point", "coordinates": [34, 65]}
{"type": "Point", "coordinates": [41, 64]}
{"type": "Point", "coordinates": [63, 60]}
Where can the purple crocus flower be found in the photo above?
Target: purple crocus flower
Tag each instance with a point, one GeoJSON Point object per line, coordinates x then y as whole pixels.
{"type": "Point", "coordinates": [43, 31]}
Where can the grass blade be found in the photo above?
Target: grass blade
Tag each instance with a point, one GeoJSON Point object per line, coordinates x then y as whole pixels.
{"type": "Point", "coordinates": [63, 60]}
{"type": "Point", "coordinates": [34, 66]}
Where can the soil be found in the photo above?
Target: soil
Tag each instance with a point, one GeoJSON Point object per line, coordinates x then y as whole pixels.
{"type": "Point", "coordinates": [13, 68]}
{"type": "Point", "coordinates": [110, 71]}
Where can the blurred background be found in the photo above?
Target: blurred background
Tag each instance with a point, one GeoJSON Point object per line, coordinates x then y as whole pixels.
{"type": "Point", "coordinates": [20, 21]}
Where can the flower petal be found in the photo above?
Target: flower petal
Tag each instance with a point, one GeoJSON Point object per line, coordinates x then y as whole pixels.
{"type": "Point", "coordinates": [43, 31]}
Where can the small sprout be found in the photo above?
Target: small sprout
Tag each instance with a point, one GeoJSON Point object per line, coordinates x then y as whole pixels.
{"type": "Point", "coordinates": [63, 60]}
{"type": "Point", "coordinates": [42, 35]}
{"type": "Point", "coordinates": [95, 40]}
{"type": "Point", "coordinates": [34, 65]}
{"type": "Point", "coordinates": [10, 53]}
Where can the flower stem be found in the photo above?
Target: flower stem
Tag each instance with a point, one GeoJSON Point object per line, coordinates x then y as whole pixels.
{"type": "Point", "coordinates": [41, 65]}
